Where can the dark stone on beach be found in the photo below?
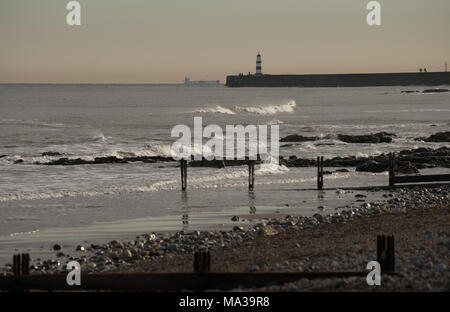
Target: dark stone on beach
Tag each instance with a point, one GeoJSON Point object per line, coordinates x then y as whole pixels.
{"type": "Point", "coordinates": [60, 254]}
{"type": "Point", "coordinates": [235, 218]}
{"type": "Point", "coordinates": [342, 170]}
{"type": "Point", "coordinates": [380, 137]}
{"type": "Point", "coordinates": [57, 247]}
{"type": "Point", "coordinates": [298, 138]}
{"type": "Point", "coordinates": [1, 156]}
{"type": "Point", "coordinates": [318, 217]}
{"type": "Point", "coordinates": [18, 161]}
{"type": "Point", "coordinates": [327, 172]}
{"type": "Point", "coordinates": [435, 90]}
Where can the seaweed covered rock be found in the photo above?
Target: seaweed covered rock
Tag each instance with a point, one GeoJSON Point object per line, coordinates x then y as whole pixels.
{"type": "Point", "coordinates": [380, 137]}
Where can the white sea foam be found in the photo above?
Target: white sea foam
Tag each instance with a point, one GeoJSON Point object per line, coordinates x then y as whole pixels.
{"type": "Point", "coordinates": [24, 233]}
{"type": "Point", "coordinates": [224, 178]}
{"type": "Point", "coordinates": [218, 109]}
{"type": "Point", "coordinates": [288, 107]}
{"type": "Point", "coordinates": [275, 122]}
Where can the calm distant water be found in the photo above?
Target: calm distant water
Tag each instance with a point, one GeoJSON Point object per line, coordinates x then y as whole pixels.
{"type": "Point", "coordinates": [87, 121]}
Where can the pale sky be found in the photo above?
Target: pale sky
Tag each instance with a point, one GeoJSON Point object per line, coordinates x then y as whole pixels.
{"type": "Point", "coordinates": [155, 41]}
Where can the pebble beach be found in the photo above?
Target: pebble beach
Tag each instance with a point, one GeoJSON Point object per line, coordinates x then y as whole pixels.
{"type": "Point", "coordinates": [418, 217]}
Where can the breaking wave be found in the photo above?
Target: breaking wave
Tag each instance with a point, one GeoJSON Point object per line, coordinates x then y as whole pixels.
{"type": "Point", "coordinates": [288, 107]}
{"type": "Point", "coordinates": [218, 109]}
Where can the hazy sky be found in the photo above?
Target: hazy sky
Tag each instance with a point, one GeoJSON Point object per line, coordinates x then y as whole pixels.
{"type": "Point", "coordinates": [166, 40]}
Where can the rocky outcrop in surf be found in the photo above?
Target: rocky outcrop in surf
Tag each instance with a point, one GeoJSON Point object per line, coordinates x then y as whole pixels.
{"type": "Point", "coordinates": [380, 137]}
{"type": "Point", "coordinates": [435, 90]}
{"type": "Point", "coordinates": [105, 160]}
{"type": "Point", "coordinates": [437, 137]}
{"type": "Point", "coordinates": [407, 161]}
{"type": "Point", "coordinates": [298, 138]}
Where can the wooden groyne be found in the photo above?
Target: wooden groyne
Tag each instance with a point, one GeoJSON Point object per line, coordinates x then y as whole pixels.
{"type": "Point", "coordinates": [393, 178]}
{"type": "Point", "coordinates": [202, 277]}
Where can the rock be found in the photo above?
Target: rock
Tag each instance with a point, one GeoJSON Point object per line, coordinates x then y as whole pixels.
{"type": "Point", "coordinates": [267, 230]}
{"type": "Point", "coordinates": [172, 247]}
{"type": "Point", "coordinates": [51, 154]}
{"type": "Point", "coordinates": [318, 217]}
{"type": "Point", "coordinates": [437, 90]}
{"type": "Point", "coordinates": [298, 138]}
{"type": "Point", "coordinates": [235, 218]}
{"type": "Point", "coordinates": [127, 254]}
{"type": "Point", "coordinates": [365, 205]}
{"type": "Point", "coordinates": [342, 170]}
{"type": "Point", "coordinates": [372, 166]}
{"type": "Point", "coordinates": [275, 267]}
{"type": "Point", "coordinates": [438, 137]}
{"type": "Point", "coordinates": [64, 161]}
{"type": "Point", "coordinates": [80, 248]}
{"type": "Point", "coordinates": [440, 268]}
{"type": "Point", "coordinates": [380, 137]}
{"type": "Point", "coordinates": [57, 247]}
{"type": "Point", "coordinates": [60, 254]}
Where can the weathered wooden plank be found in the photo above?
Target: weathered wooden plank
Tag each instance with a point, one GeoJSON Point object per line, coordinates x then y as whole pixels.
{"type": "Point", "coordinates": [421, 178]}
{"type": "Point", "coordinates": [161, 281]}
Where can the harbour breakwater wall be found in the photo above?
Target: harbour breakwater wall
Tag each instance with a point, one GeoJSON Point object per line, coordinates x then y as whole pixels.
{"type": "Point", "coordinates": [341, 80]}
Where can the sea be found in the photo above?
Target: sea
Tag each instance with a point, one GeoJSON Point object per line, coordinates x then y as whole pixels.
{"type": "Point", "coordinates": [41, 205]}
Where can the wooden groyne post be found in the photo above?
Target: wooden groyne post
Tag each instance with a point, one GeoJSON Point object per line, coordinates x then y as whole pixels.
{"type": "Point", "coordinates": [251, 174]}
{"type": "Point", "coordinates": [202, 262]}
{"type": "Point", "coordinates": [21, 264]}
{"type": "Point", "coordinates": [320, 173]}
{"type": "Point", "coordinates": [386, 253]}
{"type": "Point", "coordinates": [183, 166]}
{"type": "Point", "coordinates": [391, 169]}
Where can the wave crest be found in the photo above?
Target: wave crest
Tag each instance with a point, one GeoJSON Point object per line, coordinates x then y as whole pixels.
{"type": "Point", "coordinates": [288, 107]}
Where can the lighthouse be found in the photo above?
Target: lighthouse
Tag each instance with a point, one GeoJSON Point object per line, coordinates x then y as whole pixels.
{"type": "Point", "coordinates": [258, 64]}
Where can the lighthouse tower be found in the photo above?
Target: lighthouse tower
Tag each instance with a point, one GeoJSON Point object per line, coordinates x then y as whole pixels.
{"type": "Point", "coordinates": [258, 64]}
